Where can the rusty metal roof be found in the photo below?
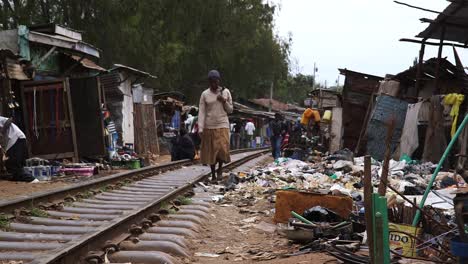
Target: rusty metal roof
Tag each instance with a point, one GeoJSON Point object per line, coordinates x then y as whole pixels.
{"type": "Point", "coordinates": [275, 105]}
{"type": "Point", "coordinates": [365, 75]}
{"type": "Point", "coordinates": [132, 70]}
{"type": "Point", "coordinates": [110, 82]}
{"type": "Point", "coordinates": [455, 20]}
{"type": "Point", "coordinates": [87, 63]}
{"type": "Point", "coordinates": [447, 71]}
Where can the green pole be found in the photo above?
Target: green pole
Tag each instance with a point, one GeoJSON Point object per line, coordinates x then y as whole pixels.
{"type": "Point", "coordinates": [439, 166]}
{"type": "Point", "coordinates": [298, 216]}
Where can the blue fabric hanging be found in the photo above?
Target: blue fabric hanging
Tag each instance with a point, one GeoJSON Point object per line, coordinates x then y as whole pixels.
{"type": "Point", "coordinates": [175, 122]}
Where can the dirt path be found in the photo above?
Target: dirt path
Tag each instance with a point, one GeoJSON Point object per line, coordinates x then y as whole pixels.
{"type": "Point", "coordinates": [247, 235]}
{"type": "Point", "coordinates": [228, 235]}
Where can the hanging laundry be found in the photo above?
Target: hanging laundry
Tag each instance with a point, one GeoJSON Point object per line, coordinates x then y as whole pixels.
{"type": "Point", "coordinates": [409, 141]}
{"type": "Point", "coordinates": [455, 100]}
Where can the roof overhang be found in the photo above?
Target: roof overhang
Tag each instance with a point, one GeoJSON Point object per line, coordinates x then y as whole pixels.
{"type": "Point", "coordinates": [64, 42]}
{"type": "Point", "coordinates": [121, 67]}
{"type": "Point", "coordinates": [453, 20]}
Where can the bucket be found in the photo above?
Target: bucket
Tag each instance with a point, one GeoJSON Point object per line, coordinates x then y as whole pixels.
{"type": "Point", "coordinates": [459, 249]}
{"type": "Point", "coordinates": [134, 164]}
{"type": "Point", "coordinates": [402, 243]}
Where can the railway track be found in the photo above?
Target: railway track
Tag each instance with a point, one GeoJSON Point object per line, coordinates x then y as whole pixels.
{"type": "Point", "coordinates": [84, 223]}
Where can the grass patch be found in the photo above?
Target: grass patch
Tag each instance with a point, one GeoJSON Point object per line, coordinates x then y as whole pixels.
{"type": "Point", "coordinates": [126, 182]}
{"type": "Point", "coordinates": [185, 200]}
{"type": "Point", "coordinates": [104, 189]}
{"type": "Point", "coordinates": [4, 222]}
{"type": "Point", "coordinates": [87, 195]}
{"type": "Point", "coordinates": [38, 212]}
{"type": "Point", "coordinates": [68, 204]}
{"type": "Point", "coordinates": [164, 205]}
{"type": "Point", "coordinates": [168, 207]}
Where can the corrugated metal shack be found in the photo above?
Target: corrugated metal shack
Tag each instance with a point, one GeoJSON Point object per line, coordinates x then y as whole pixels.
{"type": "Point", "coordinates": [49, 86]}
{"type": "Point", "coordinates": [358, 91]}
{"type": "Point", "coordinates": [326, 99]}
{"type": "Point", "coordinates": [448, 80]}
{"type": "Point", "coordinates": [440, 77]}
{"type": "Point", "coordinates": [119, 85]}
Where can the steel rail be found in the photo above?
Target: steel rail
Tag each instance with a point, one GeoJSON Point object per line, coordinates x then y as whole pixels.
{"type": "Point", "coordinates": [54, 196]}
{"type": "Point", "coordinates": [117, 230]}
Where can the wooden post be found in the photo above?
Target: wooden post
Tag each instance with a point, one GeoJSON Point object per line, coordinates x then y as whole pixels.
{"type": "Point", "coordinates": [420, 67]}
{"type": "Point", "coordinates": [270, 106]}
{"type": "Point", "coordinates": [66, 89]}
{"type": "Point", "coordinates": [25, 118]}
{"type": "Point", "coordinates": [363, 132]}
{"type": "Point", "coordinates": [388, 153]}
{"type": "Point", "coordinates": [368, 190]}
{"type": "Point", "coordinates": [156, 127]}
{"type": "Point", "coordinates": [439, 59]}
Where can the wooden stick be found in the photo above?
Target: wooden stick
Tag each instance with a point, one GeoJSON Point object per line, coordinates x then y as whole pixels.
{"type": "Point", "coordinates": [388, 153]}
{"type": "Point", "coordinates": [417, 7]}
{"type": "Point", "coordinates": [363, 132]}
{"type": "Point", "coordinates": [433, 43]}
{"type": "Point", "coordinates": [368, 190]}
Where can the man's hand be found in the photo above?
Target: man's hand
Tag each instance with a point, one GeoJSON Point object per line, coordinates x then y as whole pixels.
{"type": "Point", "coordinates": [221, 98]}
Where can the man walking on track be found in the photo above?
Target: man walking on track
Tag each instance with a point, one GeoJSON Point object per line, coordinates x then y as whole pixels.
{"type": "Point", "coordinates": [213, 125]}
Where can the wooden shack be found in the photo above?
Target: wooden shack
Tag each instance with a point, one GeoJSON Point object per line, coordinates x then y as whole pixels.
{"type": "Point", "coordinates": [49, 87]}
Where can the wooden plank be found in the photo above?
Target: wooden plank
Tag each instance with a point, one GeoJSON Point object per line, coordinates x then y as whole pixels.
{"type": "Point", "coordinates": [25, 118]}
{"type": "Point", "coordinates": [336, 129]}
{"type": "Point", "coordinates": [363, 132]}
{"type": "Point", "coordinates": [66, 89]}
{"type": "Point", "coordinates": [368, 190]}
{"type": "Point", "coordinates": [420, 67]}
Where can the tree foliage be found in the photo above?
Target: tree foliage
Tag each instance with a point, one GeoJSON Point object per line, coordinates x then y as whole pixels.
{"type": "Point", "coordinates": [178, 40]}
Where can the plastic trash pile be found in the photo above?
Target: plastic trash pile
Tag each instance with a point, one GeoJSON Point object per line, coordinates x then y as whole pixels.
{"type": "Point", "coordinates": [338, 174]}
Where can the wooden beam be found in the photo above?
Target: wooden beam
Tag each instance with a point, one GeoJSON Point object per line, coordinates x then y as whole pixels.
{"type": "Point", "coordinates": [433, 43]}
{"type": "Point", "coordinates": [388, 152]}
{"type": "Point", "coordinates": [51, 50]}
{"type": "Point", "coordinates": [417, 7]}
{"type": "Point", "coordinates": [432, 21]}
{"type": "Point", "coordinates": [66, 89]}
{"type": "Point", "coordinates": [368, 190]}
{"type": "Point", "coordinates": [420, 67]}
{"type": "Point", "coordinates": [439, 59]}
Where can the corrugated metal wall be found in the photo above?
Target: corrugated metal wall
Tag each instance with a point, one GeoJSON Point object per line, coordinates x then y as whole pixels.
{"type": "Point", "coordinates": [386, 108]}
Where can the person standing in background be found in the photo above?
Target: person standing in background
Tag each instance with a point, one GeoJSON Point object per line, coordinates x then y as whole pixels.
{"type": "Point", "coordinates": [236, 137]}
{"type": "Point", "coordinates": [277, 129]}
{"type": "Point", "coordinates": [213, 125]}
{"type": "Point", "coordinates": [250, 130]}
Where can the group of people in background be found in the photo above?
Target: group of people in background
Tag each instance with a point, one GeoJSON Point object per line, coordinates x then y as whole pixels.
{"type": "Point", "coordinates": [242, 133]}
{"type": "Point", "coordinates": [211, 134]}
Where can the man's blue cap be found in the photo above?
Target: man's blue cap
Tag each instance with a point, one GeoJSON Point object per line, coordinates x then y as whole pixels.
{"type": "Point", "coordinates": [214, 74]}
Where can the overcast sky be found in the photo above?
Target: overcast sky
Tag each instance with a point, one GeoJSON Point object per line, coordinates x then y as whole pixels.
{"type": "Point", "coordinates": [360, 35]}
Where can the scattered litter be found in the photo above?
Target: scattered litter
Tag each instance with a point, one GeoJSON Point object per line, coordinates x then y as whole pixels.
{"type": "Point", "coordinates": [265, 227]}
{"type": "Point", "coordinates": [206, 255]}
{"type": "Point", "coordinates": [250, 220]}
